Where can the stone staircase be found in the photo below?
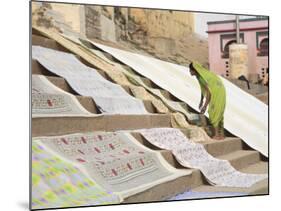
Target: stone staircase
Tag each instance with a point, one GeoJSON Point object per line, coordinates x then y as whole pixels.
{"type": "Point", "coordinates": [233, 149]}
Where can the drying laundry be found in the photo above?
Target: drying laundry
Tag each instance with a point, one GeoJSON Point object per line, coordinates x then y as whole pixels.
{"type": "Point", "coordinates": [115, 160]}
{"type": "Point", "coordinates": [49, 100]}
{"type": "Point", "coordinates": [241, 111]}
{"type": "Point", "coordinates": [189, 154]}
{"type": "Point", "coordinates": [88, 82]}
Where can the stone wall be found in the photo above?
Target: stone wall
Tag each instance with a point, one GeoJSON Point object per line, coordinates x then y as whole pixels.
{"type": "Point", "coordinates": [165, 34]}
{"type": "Point", "coordinates": [92, 22]}
{"type": "Point", "coordinates": [63, 17]}
{"type": "Point", "coordinates": [164, 23]}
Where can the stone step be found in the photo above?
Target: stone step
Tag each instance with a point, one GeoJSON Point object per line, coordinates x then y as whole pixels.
{"type": "Point", "coordinates": [222, 147]}
{"type": "Point", "coordinates": [46, 42]}
{"type": "Point", "coordinates": [196, 181]}
{"type": "Point", "coordinates": [215, 148]}
{"type": "Point", "coordinates": [238, 158]}
{"type": "Point", "coordinates": [48, 126]}
{"type": "Point", "coordinates": [231, 149]}
{"type": "Point", "coordinates": [258, 188]}
{"type": "Point", "coordinates": [242, 158]}
{"type": "Point", "coordinates": [166, 190]}
{"type": "Point", "coordinates": [88, 102]}
{"type": "Point", "coordinates": [37, 68]}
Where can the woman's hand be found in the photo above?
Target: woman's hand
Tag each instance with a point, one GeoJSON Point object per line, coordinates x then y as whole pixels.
{"type": "Point", "coordinates": [208, 98]}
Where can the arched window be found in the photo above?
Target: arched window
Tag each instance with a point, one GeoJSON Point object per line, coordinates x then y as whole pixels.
{"type": "Point", "coordinates": [263, 51]}
{"type": "Point", "coordinates": [225, 54]}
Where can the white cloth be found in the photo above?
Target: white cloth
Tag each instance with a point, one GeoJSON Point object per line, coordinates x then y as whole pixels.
{"type": "Point", "coordinates": [115, 160]}
{"type": "Point", "coordinates": [109, 97]}
{"type": "Point", "coordinates": [245, 116]}
{"type": "Point", "coordinates": [193, 155]}
{"type": "Point", "coordinates": [49, 100]}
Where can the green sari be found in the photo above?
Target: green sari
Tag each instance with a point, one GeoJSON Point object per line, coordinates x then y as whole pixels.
{"type": "Point", "coordinates": [217, 102]}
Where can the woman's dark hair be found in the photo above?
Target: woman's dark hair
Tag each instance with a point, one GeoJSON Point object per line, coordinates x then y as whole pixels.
{"type": "Point", "coordinates": [191, 66]}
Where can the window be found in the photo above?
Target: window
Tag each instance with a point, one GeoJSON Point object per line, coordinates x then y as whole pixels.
{"type": "Point", "coordinates": [263, 51]}
{"type": "Point", "coordinates": [226, 40]}
{"type": "Point", "coordinates": [226, 49]}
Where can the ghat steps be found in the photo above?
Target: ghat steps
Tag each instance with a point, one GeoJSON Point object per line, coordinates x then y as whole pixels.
{"type": "Point", "coordinates": [233, 149]}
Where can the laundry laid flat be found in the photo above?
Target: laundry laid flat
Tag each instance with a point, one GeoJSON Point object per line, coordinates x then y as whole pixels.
{"type": "Point", "coordinates": [49, 100]}
{"type": "Point", "coordinates": [118, 75]}
{"type": "Point", "coordinates": [193, 155]}
{"type": "Point", "coordinates": [245, 116]}
{"type": "Point", "coordinates": [59, 183]}
{"type": "Point", "coordinates": [115, 160]}
{"type": "Point", "coordinates": [109, 97]}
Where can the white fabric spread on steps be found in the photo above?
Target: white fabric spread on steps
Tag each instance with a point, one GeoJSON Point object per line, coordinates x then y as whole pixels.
{"type": "Point", "coordinates": [109, 97]}
{"type": "Point", "coordinates": [175, 106]}
{"type": "Point", "coordinates": [193, 155]}
{"type": "Point", "coordinates": [116, 161]}
{"type": "Point", "coordinates": [49, 100]}
{"type": "Point", "coordinates": [245, 116]}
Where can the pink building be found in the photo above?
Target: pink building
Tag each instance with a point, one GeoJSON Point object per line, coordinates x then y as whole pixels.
{"type": "Point", "coordinates": [253, 33]}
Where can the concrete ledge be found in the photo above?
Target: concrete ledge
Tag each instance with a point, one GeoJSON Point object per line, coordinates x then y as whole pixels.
{"type": "Point", "coordinates": [257, 189]}
{"type": "Point", "coordinates": [48, 126]}
{"type": "Point", "coordinates": [166, 190]}
{"type": "Point", "coordinates": [222, 147]}
{"type": "Point", "coordinates": [242, 158]}
{"type": "Point", "coordinates": [238, 158]}
{"type": "Point", "coordinates": [88, 103]}
{"type": "Point", "coordinates": [215, 148]}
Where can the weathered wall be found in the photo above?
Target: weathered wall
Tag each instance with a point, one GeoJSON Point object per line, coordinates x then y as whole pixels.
{"type": "Point", "coordinates": [92, 22]}
{"type": "Point", "coordinates": [164, 23]}
{"type": "Point", "coordinates": [63, 16]}
{"type": "Point", "coordinates": [168, 35]}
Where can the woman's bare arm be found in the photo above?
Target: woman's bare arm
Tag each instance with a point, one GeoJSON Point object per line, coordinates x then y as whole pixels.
{"type": "Point", "coordinates": [208, 98]}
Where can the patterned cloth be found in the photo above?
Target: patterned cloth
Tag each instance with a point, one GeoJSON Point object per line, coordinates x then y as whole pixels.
{"type": "Point", "coordinates": [49, 100]}
{"type": "Point", "coordinates": [57, 183]}
{"type": "Point", "coordinates": [109, 97]}
{"type": "Point", "coordinates": [115, 160]}
{"type": "Point", "coordinates": [193, 155]}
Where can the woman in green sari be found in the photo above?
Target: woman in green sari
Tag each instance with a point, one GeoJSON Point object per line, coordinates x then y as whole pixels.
{"type": "Point", "coordinates": [213, 90]}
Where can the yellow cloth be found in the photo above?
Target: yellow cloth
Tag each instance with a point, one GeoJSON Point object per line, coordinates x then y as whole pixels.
{"type": "Point", "coordinates": [218, 95]}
